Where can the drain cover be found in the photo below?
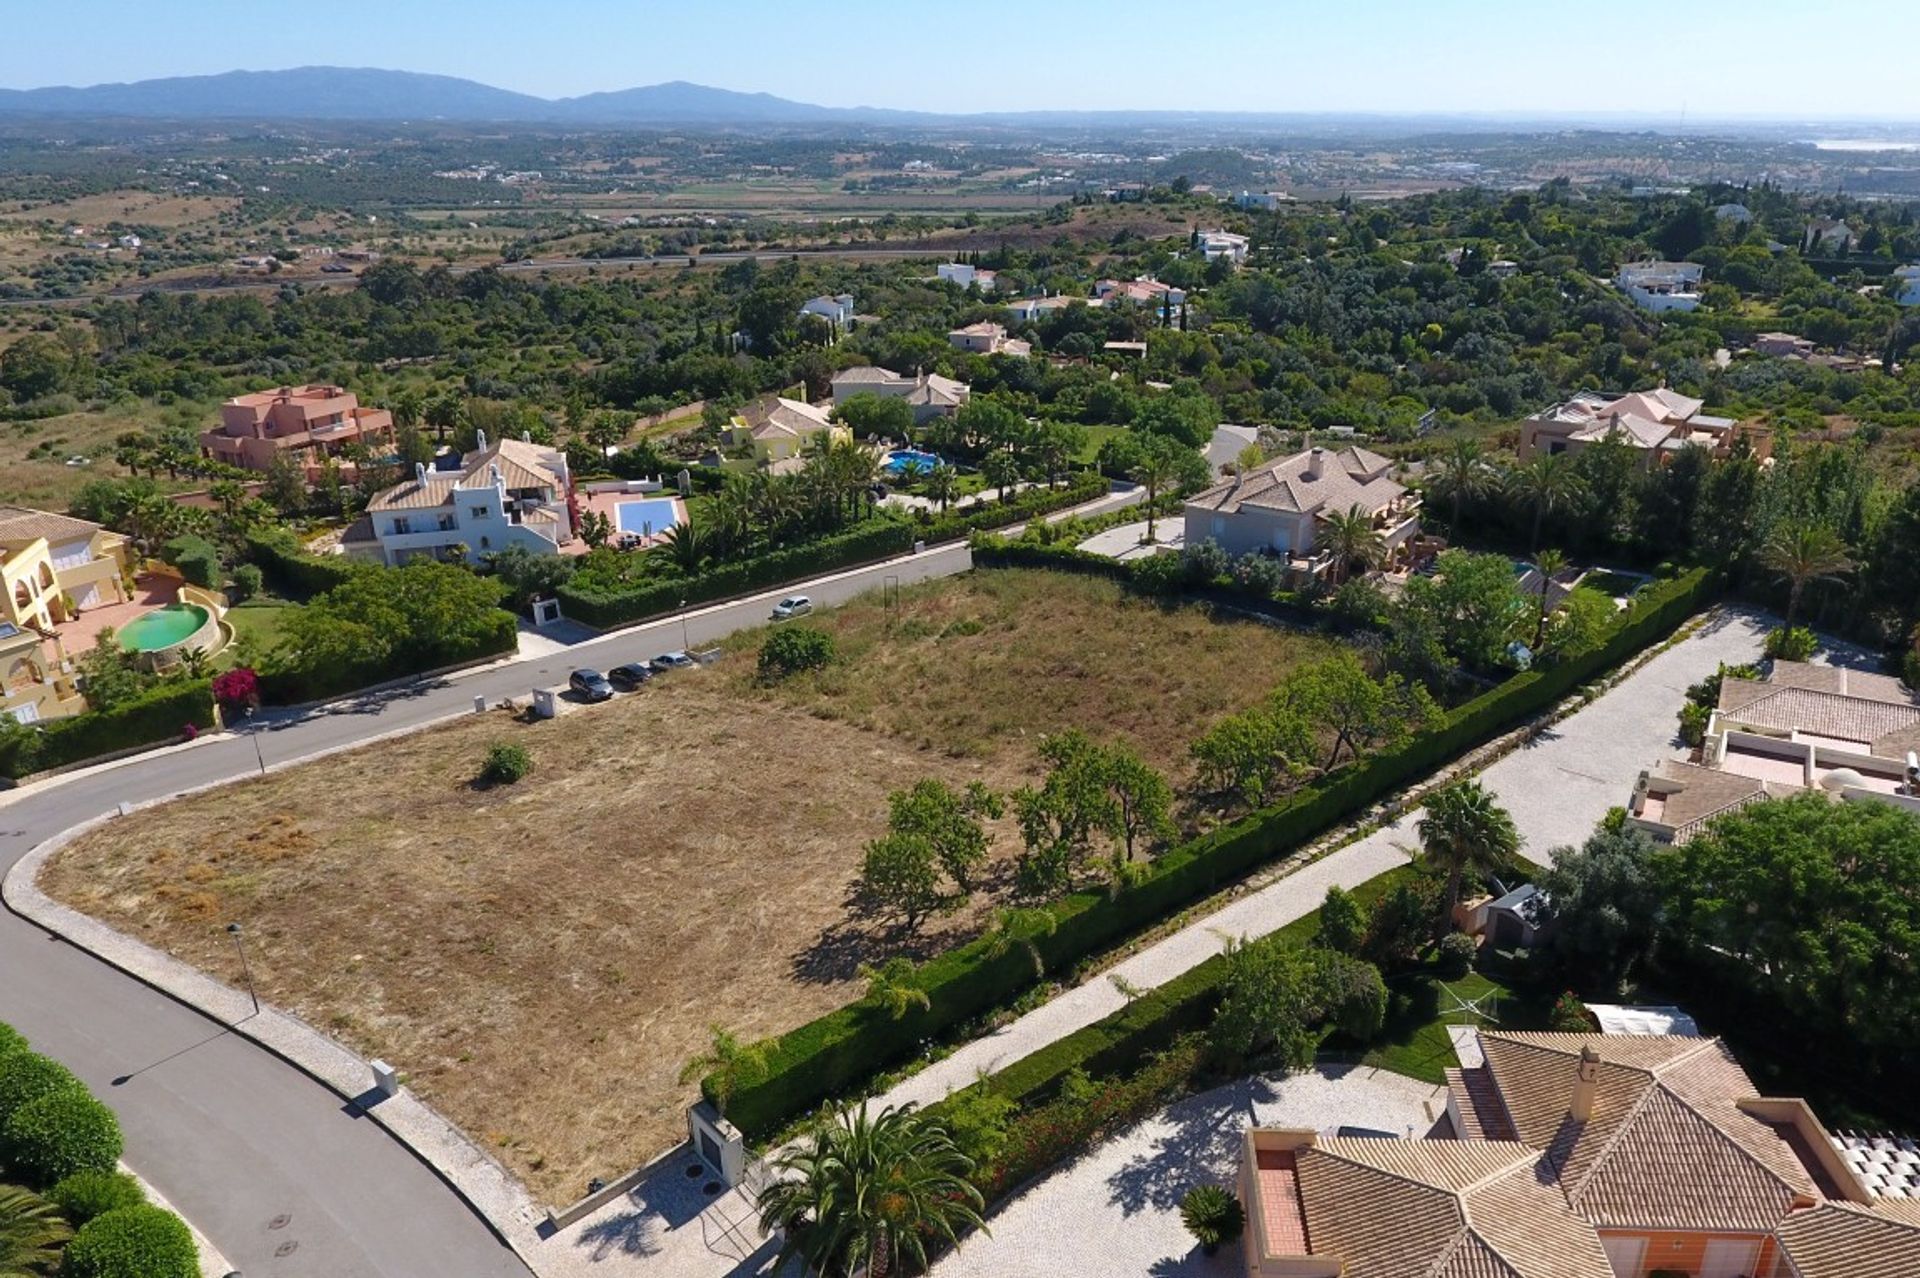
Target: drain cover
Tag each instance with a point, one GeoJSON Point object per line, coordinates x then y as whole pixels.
{"type": "Point", "coordinates": [693, 1172]}
{"type": "Point", "coordinates": [281, 1221]}
{"type": "Point", "coordinates": [286, 1248]}
{"type": "Point", "coordinates": [711, 1188]}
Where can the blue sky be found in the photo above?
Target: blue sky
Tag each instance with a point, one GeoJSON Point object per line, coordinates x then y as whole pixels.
{"type": "Point", "coordinates": [1707, 59]}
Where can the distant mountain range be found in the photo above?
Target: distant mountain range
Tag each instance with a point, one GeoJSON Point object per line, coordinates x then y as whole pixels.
{"type": "Point", "coordinates": [362, 93]}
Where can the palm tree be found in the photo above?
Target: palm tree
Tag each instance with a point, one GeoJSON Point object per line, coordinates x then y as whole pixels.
{"type": "Point", "coordinates": [727, 1066]}
{"type": "Point", "coordinates": [1002, 470]}
{"type": "Point", "coordinates": [1461, 472]}
{"type": "Point", "coordinates": [865, 1192]}
{"type": "Point", "coordinates": [1461, 829]}
{"type": "Point", "coordinates": [1551, 564]}
{"type": "Point", "coordinates": [1801, 554]}
{"type": "Point", "coordinates": [1548, 483]}
{"type": "Point", "coordinates": [687, 548]}
{"type": "Point", "coordinates": [891, 986]}
{"type": "Point", "coordinates": [943, 485]}
{"type": "Point", "coordinates": [1351, 538]}
{"type": "Point", "coordinates": [1022, 926]}
{"type": "Point", "coordinates": [1152, 472]}
{"type": "Point", "coordinates": [31, 1234]}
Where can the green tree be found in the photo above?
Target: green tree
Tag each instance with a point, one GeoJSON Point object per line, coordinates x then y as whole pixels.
{"type": "Point", "coordinates": [1468, 610]}
{"type": "Point", "coordinates": [1361, 713]}
{"type": "Point", "coordinates": [1343, 924]}
{"type": "Point", "coordinates": [1606, 907]}
{"type": "Point", "coordinates": [1154, 467]}
{"type": "Point", "coordinates": [891, 986]}
{"type": "Point", "coordinates": [1278, 996]}
{"type": "Point", "coordinates": [605, 430]}
{"type": "Point", "coordinates": [31, 1234]}
{"type": "Point", "coordinates": [942, 485]}
{"type": "Point", "coordinates": [792, 650]}
{"type": "Point", "coordinates": [1001, 469]}
{"type": "Point", "coordinates": [1141, 805]}
{"type": "Point", "coordinates": [1463, 828]}
{"type": "Point", "coordinates": [1023, 926]}
{"type": "Point", "coordinates": [1581, 623]}
{"type": "Point", "coordinates": [1546, 485]}
{"type": "Point", "coordinates": [1059, 818]}
{"type": "Point", "coordinates": [1549, 563]}
{"type": "Point", "coordinates": [1350, 538]}
{"type": "Point", "coordinates": [725, 1067]}
{"type": "Point", "coordinates": [1460, 473]}
{"type": "Point", "coordinates": [1802, 554]}
{"type": "Point", "coordinates": [871, 416]}
{"type": "Point", "coordinates": [950, 820]}
{"type": "Point", "coordinates": [866, 1192]}
{"type": "Point", "coordinates": [901, 875]}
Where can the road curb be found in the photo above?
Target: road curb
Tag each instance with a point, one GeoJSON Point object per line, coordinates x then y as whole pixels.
{"type": "Point", "coordinates": [486, 1186]}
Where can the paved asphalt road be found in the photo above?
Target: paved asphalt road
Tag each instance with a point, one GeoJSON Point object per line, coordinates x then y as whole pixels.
{"type": "Point", "coordinates": [265, 1161]}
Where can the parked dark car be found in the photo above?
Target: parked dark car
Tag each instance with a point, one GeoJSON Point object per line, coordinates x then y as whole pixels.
{"type": "Point", "coordinates": [630, 676]}
{"type": "Point", "coordinates": [590, 685]}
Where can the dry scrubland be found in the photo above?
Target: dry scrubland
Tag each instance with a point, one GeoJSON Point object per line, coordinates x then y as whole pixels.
{"type": "Point", "coordinates": [541, 958]}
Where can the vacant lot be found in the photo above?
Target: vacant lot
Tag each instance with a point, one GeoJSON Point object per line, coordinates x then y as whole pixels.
{"type": "Point", "coordinates": [983, 665]}
{"type": "Point", "coordinates": [33, 454]}
{"type": "Point", "coordinates": [541, 958]}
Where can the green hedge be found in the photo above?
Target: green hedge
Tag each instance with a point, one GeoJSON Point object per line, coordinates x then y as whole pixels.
{"type": "Point", "coordinates": [27, 1076]}
{"type": "Point", "coordinates": [293, 572]}
{"type": "Point", "coordinates": [157, 715]}
{"type": "Point", "coordinates": [53, 1136]}
{"type": "Point", "coordinates": [836, 1052]}
{"type": "Point", "coordinates": [86, 1194]}
{"type": "Point", "coordinates": [866, 543]}
{"type": "Point", "coordinates": [132, 1242]}
{"type": "Point", "coordinates": [196, 559]}
{"type": "Point", "coordinates": [12, 1041]}
{"type": "Point", "coordinates": [997, 552]}
{"type": "Point", "coordinates": [293, 687]}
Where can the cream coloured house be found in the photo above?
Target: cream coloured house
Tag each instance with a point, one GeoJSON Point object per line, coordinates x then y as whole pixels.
{"type": "Point", "coordinates": [778, 428]}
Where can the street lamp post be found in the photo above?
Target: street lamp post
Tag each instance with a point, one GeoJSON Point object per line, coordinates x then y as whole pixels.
{"type": "Point", "coordinates": [254, 732]}
{"type": "Point", "coordinates": [683, 625]}
{"type": "Point", "coordinates": [233, 930]}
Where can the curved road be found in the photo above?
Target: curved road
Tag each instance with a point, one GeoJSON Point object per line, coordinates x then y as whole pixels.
{"type": "Point", "coordinates": [268, 1163]}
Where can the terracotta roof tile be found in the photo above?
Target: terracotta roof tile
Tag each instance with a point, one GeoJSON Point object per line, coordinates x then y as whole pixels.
{"type": "Point", "coordinates": [1839, 1240]}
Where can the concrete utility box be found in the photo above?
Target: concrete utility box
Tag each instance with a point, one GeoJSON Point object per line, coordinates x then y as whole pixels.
{"type": "Point", "coordinates": [546, 703]}
{"type": "Point", "coordinates": [386, 1079]}
{"type": "Point", "coordinates": [546, 612]}
{"type": "Point", "coordinates": [686, 482]}
{"type": "Point", "coordinates": [480, 705]}
{"type": "Point", "coordinates": [717, 1142]}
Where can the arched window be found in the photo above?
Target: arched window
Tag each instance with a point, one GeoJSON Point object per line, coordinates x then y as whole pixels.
{"type": "Point", "coordinates": [22, 596]}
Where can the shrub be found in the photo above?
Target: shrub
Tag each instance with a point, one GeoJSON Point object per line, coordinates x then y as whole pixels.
{"type": "Point", "coordinates": [237, 690]}
{"type": "Point", "coordinates": [1342, 922]}
{"type": "Point", "coordinates": [506, 763]}
{"type": "Point", "coordinates": [1792, 643]}
{"type": "Point", "coordinates": [196, 559]}
{"type": "Point", "coordinates": [87, 1194]}
{"type": "Point", "coordinates": [158, 714]}
{"type": "Point", "coordinates": [132, 1242]}
{"type": "Point", "coordinates": [248, 581]}
{"type": "Point", "coordinates": [27, 1076]}
{"type": "Point", "coordinates": [55, 1135]}
{"type": "Point", "coordinates": [1569, 1015]}
{"type": "Point", "coordinates": [1456, 953]}
{"type": "Point", "coordinates": [792, 649]}
{"type": "Point", "coordinates": [295, 573]}
{"type": "Point", "coordinates": [1212, 1215]}
{"type": "Point", "coordinates": [11, 1040]}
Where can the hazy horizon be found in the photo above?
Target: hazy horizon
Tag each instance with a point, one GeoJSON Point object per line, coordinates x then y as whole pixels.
{"type": "Point", "coordinates": [1768, 61]}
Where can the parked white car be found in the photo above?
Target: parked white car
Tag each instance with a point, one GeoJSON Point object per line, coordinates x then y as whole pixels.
{"type": "Point", "coordinates": [792, 606]}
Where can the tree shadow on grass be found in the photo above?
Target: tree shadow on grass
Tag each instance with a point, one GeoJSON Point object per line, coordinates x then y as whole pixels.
{"type": "Point", "coordinates": [1202, 1146]}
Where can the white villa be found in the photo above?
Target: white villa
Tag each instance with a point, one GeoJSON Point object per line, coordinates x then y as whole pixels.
{"type": "Point", "coordinates": [1904, 287]}
{"type": "Point", "coordinates": [965, 274]}
{"type": "Point", "coordinates": [1278, 507]}
{"type": "Point", "coordinates": [1849, 734]}
{"type": "Point", "coordinates": [513, 493]}
{"type": "Point", "coordinates": [835, 309]}
{"type": "Point", "coordinates": [1219, 244]}
{"type": "Point", "coordinates": [1661, 286]}
{"type": "Point", "coordinates": [929, 394]}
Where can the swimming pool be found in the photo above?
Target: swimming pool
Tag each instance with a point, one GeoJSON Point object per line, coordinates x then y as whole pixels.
{"type": "Point", "coordinates": [648, 516]}
{"type": "Point", "coordinates": [162, 628]}
{"type": "Point", "coordinates": [901, 460]}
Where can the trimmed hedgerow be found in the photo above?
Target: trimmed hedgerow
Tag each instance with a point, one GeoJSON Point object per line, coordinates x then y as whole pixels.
{"type": "Point", "coordinates": [158, 714]}
{"type": "Point", "coordinates": [55, 1135]}
{"type": "Point", "coordinates": [132, 1242]}
{"type": "Point", "coordinates": [836, 1052]}
{"type": "Point", "coordinates": [87, 1194]}
{"type": "Point", "coordinates": [12, 1041]}
{"type": "Point", "coordinates": [27, 1076]}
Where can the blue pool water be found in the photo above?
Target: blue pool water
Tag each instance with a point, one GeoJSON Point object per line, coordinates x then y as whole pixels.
{"type": "Point", "coordinates": [647, 514]}
{"type": "Point", "coordinates": [901, 459]}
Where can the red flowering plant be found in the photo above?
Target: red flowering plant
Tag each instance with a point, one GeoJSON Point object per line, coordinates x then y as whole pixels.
{"type": "Point", "coordinates": [237, 690]}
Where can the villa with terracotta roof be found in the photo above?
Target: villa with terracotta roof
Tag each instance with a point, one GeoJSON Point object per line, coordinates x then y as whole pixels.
{"type": "Point", "coordinates": [987, 338]}
{"type": "Point", "coordinates": [1579, 1156]}
{"type": "Point", "coordinates": [928, 394]}
{"type": "Point", "coordinates": [1658, 423]}
{"type": "Point", "coordinates": [1851, 734]}
{"type": "Point", "coordinates": [307, 423]}
{"type": "Point", "coordinates": [1277, 508]}
{"type": "Point", "coordinates": [779, 429]}
{"type": "Point", "coordinates": [513, 493]}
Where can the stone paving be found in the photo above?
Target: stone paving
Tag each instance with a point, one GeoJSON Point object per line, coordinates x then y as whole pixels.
{"type": "Point", "coordinates": [1128, 541]}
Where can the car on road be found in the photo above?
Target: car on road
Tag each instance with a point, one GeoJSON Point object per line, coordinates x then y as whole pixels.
{"type": "Point", "coordinates": [590, 685]}
{"type": "Point", "coordinates": [671, 661]}
{"type": "Point", "coordinates": [792, 606]}
{"type": "Point", "coordinates": [630, 676]}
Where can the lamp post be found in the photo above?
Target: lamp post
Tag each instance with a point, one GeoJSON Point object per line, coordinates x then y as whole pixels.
{"type": "Point", "coordinates": [233, 930]}
{"type": "Point", "coordinates": [683, 625]}
{"type": "Point", "coordinates": [254, 733]}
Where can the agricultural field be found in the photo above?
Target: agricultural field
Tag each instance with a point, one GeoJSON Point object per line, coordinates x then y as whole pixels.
{"type": "Point", "coordinates": [540, 958]}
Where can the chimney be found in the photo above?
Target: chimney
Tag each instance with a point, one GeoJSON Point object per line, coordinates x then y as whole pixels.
{"type": "Point", "coordinates": [480, 440]}
{"type": "Point", "coordinates": [526, 437]}
{"type": "Point", "coordinates": [1586, 1081]}
{"type": "Point", "coordinates": [419, 472]}
{"type": "Point", "coordinates": [1316, 462]}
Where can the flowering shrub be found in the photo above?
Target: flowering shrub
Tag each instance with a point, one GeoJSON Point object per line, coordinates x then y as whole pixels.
{"type": "Point", "coordinates": [237, 689]}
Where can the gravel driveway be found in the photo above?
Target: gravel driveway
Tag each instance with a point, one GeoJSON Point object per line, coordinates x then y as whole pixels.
{"type": "Point", "coordinates": [1116, 1209]}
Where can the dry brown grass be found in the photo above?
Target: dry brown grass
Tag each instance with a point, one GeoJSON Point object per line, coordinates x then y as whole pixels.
{"type": "Point", "coordinates": [540, 959]}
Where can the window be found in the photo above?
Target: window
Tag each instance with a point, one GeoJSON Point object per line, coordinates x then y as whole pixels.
{"type": "Point", "coordinates": [1626, 1255]}
{"type": "Point", "coordinates": [1557, 447]}
{"type": "Point", "coordinates": [446, 523]}
{"type": "Point", "coordinates": [1729, 1258]}
{"type": "Point", "coordinates": [402, 526]}
{"type": "Point", "coordinates": [478, 512]}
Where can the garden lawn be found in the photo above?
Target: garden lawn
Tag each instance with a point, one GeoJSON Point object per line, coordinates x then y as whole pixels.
{"type": "Point", "coordinates": [259, 623]}
{"type": "Point", "coordinates": [984, 665]}
{"type": "Point", "coordinates": [1414, 1041]}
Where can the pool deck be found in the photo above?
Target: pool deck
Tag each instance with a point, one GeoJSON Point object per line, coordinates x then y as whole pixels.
{"type": "Point", "coordinates": [608, 504]}
{"type": "Point", "coordinates": [151, 590]}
